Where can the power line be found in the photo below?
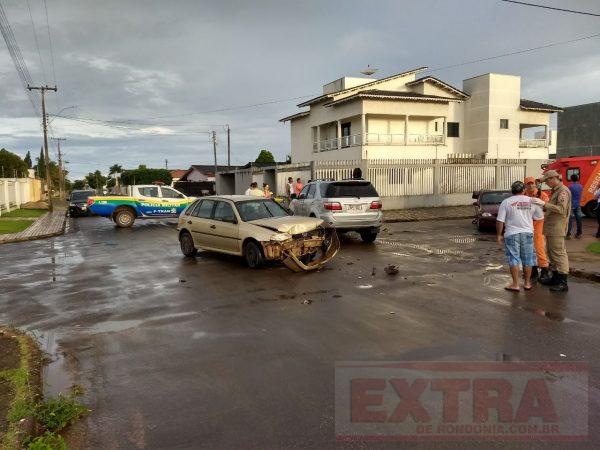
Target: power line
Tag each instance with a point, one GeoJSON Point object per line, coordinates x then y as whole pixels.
{"type": "Point", "coordinates": [17, 57]}
{"type": "Point", "coordinates": [37, 43]}
{"type": "Point", "coordinates": [553, 8]}
{"type": "Point", "coordinates": [518, 52]}
{"type": "Point", "coordinates": [50, 42]}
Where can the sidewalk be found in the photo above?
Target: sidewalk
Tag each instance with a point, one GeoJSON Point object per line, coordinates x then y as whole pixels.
{"type": "Point", "coordinates": [583, 263]}
{"type": "Point", "coordinates": [419, 214]}
{"type": "Point", "coordinates": [50, 224]}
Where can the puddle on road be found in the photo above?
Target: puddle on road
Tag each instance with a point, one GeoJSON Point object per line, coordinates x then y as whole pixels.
{"type": "Point", "coordinates": [114, 326]}
{"type": "Point", "coordinates": [57, 379]}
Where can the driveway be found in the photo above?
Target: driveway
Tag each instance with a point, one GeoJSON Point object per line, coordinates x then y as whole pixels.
{"type": "Point", "coordinates": [204, 352]}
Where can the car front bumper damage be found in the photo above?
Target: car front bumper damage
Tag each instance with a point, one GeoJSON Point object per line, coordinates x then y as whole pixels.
{"type": "Point", "coordinates": [304, 252]}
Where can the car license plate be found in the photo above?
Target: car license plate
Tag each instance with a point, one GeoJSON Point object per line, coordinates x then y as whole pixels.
{"type": "Point", "coordinates": [354, 209]}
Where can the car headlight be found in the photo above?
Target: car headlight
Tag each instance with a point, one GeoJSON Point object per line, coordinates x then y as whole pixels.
{"type": "Point", "coordinates": [486, 214]}
{"type": "Point", "coordinates": [280, 237]}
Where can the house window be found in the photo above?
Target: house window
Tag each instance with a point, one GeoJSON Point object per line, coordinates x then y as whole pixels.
{"type": "Point", "coordinates": [346, 129]}
{"type": "Point", "coordinates": [572, 171]}
{"type": "Point", "coordinates": [435, 126]}
{"type": "Point", "coordinates": [453, 129]}
{"type": "Point", "coordinates": [504, 124]}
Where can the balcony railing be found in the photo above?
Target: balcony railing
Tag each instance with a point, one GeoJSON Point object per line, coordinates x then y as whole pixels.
{"type": "Point", "coordinates": [378, 139]}
{"type": "Point", "coordinates": [533, 143]}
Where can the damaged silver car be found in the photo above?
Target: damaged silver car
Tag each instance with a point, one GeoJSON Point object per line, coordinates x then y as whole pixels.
{"type": "Point", "coordinates": [258, 229]}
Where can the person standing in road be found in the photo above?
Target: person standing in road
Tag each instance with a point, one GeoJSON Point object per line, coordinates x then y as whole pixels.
{"type": "Point", "coordinates": [576, 189]}
{"type": "Point", "coordinates": [597, 211]}
{"type": "Point", "coordinates": [290, 191]}
{"type": "Point", "coordinates": [515, 220]}
{"type": "Point", "coordinates": [539, 241]}
{"type": "Point", "coordinates": [254, 191]}
{"type": "Point", "coordinates": [298, 187]}
{"type": "Point", "coordinates": [557, 211]}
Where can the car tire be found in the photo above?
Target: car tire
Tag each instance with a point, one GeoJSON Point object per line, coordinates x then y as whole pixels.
{"type": "Point", "coordinates": [186, 242]}
{"type": "Point", "coordinates": [124, 218]}
{"type": "Point", "coordinates": [368, 237]}
{"type": "Point", "coordinates": [253, 255]}
{"type": "Point", "coordinates": [589, 209]}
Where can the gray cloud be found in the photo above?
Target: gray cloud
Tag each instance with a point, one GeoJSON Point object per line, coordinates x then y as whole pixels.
{"type": "Point", "coordinates": [140, 59]}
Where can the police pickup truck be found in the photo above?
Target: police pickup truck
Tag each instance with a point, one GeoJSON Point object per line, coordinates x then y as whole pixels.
{"type": "Point", "coordinates": [141, 202]}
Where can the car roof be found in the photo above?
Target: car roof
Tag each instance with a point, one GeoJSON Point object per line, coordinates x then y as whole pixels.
{"type": "Point", "coordinates": [234, 198]}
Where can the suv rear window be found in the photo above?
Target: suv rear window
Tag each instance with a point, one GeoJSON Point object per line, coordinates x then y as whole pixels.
{"type": "Point", "coordinates": [350, 189]}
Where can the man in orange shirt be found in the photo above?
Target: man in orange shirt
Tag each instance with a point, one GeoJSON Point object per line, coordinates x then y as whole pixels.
{"type": "Point", "coordinates": [298, 186]}
{"type": "Point", "coordinates": [539, 241]}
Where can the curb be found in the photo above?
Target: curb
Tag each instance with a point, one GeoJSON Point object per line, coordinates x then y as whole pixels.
{"type": "Point", "coordinates": [592, 276]}
{"type": "Point", "coordinates": [39, 236]}
{"type": "Point", "coordinates": [470, 216]}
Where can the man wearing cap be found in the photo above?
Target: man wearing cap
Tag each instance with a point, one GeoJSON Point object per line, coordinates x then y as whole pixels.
{"type": "Point", "coordinates": [539, 241]}
{"type": "Point", "coordinates": [557, 210]}
{"type": "Point", "coordinates": [515, 219]}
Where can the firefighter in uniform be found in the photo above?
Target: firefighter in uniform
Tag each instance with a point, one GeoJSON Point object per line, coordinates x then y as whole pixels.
{"type": "Point", "coordinates": [556, 218]}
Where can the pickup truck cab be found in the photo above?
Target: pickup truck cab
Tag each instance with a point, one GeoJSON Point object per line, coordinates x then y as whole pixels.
{"type": "Point", "coordinates": [142, 202]}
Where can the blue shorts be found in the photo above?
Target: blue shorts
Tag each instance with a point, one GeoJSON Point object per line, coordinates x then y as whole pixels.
{"type": "Point", "coordinates": [519, 249]}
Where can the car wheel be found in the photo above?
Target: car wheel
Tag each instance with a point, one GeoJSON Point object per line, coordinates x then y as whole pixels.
{"type": "Point", "coordinates": [589, 209]}
{"type": "Point", "coordinates": [124, 218]}
{"type": "Point", "coordinates": [186, 242]}
{"type": "Point", "coordinates": [253, 255]}
{"type": "Point", "coordinates": [368, 236]}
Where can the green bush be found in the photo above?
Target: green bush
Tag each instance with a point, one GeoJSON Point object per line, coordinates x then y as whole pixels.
{"type": "Point", "coordinates": [56, 413]}
{"type": "Point", "coordinates": [47, 441]}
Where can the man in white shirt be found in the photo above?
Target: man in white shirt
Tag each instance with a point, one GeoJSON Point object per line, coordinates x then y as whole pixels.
{"type": "Point", "coordinates": [515, 219]}
{"type": "Point", "coordinates": [253, 190]}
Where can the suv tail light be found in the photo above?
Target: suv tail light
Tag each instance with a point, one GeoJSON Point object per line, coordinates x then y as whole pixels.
{"type": "Point", "coordinates": [375, 205]}
{"type": "Point", "coordinates": [90, 201]}
{"type": "Point", "coordinates": [332, 206]}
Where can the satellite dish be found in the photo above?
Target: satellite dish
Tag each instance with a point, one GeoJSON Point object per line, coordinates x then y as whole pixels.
{"type": "Point", "coordinates": [369, 71]}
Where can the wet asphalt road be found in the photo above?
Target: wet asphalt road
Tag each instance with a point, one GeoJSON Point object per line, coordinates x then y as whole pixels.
{"type": "Point", "coordinates": [181, 353]}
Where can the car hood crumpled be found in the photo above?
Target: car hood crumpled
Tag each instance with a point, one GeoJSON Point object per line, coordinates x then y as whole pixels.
{"type": "Point", "coordinates": [289, 224]}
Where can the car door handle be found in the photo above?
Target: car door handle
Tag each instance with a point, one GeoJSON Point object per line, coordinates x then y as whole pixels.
{"type": "Point", "coordinates": [213, 227]}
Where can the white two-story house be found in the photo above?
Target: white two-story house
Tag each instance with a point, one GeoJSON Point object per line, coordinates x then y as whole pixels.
{"type": "Point", "coordinates": [403, 116]}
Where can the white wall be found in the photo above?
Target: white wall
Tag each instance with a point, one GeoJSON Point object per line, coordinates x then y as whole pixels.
{"type": "Point", "coordinates": [16, 191]}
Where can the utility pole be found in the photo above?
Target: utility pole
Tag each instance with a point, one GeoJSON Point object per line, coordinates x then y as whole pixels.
{"type": "Point", "coordinates": [214, 141]}
{"type": "Point", "coordinates": [61, 176]}
{"type": "Point", "coordinates": [228, 147]}
{"type": "Point", "coordinates": [43, 90]}
{"type": "Point", "coordinates": [167, 164]}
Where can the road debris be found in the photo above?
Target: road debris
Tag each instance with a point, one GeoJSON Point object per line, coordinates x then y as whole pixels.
{"type": "Point", "coordinates": [392, 269]}
{"type": "Point", "coordinates": [307, 302]}
{"type": "Point", "coordinates": [374, 271]}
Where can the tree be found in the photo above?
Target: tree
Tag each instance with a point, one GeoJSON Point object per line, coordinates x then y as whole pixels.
{"type": "Point", "coordinates": [40, 168]}
{"type": "Point", "coordinates": [27, 160]}
{"type": "Point", "coordinates": [265, 156]}
{"type": "Point", "coordinates": [143, 175]}
{"type": "Point", "coordinates": [78, 184]}
{"type": "Point", "coordinates": [95, 180]}
{"type": "Point", "coordinates": [113, 179]}
{"type": "Point", "coordinates": [11, 164]}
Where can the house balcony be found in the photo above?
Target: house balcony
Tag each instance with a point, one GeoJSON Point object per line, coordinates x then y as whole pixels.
{"type": "Point", "coordinates": [533, 143]}
{"type": "Point", "coordinates": [379, 139]}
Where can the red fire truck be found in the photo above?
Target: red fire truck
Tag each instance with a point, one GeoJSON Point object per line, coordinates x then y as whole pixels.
{"type": "Point", "coordinates": [588, 170]}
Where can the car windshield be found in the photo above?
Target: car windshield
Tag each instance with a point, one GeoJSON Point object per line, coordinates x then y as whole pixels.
{"type": "Point", "coordinates": [350, 189]}
{"type": "Point", "coordinates": [260, 209]}
{"type": "Point", "coordinates": [77, 196]}
{"type": "Point", "coordinates": [494, 198]}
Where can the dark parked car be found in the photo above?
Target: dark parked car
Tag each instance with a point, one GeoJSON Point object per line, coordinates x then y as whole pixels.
{"type": "Point", "coordinates": [486, 207]}
{"type": "Point", "coordinates": [78, 203]}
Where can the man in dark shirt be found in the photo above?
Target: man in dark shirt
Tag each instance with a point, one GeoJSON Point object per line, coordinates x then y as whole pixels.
{"type": "Point", "coordinates": [576, 188]}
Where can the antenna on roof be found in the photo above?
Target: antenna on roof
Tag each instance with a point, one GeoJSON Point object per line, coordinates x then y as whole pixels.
{"type": "Point", "coordinates": [369, 70]}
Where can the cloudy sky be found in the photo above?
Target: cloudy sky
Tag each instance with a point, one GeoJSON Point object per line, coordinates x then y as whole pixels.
{"type": "Point", "coordinates": [149, 79]}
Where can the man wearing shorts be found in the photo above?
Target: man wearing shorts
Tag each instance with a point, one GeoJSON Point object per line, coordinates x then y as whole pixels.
{"type": "Point", "coordinates": [515, 219]}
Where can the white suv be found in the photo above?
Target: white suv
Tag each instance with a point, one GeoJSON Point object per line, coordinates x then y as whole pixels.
{"type": "Point", "coordinates": [347, 205]}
